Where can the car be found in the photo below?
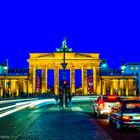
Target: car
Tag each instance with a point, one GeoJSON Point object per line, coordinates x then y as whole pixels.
{"type": "Point", "coordinates": [125, 114]}
{"type": "Point", "coordinates": [103, 104]}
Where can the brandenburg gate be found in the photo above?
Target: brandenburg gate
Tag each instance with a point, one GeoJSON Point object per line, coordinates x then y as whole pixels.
{"type": "Point", "coordinates": [46, 61]}
{"type": "Point", "coordinates": [16, 83]}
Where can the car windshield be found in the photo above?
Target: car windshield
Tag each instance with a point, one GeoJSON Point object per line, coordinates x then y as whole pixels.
{"type": "Point", "coordinates": [132, 107]}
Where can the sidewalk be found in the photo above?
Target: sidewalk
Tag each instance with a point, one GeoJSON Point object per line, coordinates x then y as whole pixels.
{"type": "Point", "coordinates": [56, 124]}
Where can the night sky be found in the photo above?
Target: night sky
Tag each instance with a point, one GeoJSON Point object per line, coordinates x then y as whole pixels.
{"type": "Point", "coordinates": [109, 28]}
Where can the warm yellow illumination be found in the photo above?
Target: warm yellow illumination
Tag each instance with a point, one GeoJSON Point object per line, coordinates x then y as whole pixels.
{"type": "Point", "coordinates": [132, 68]}
{"type": "Point", "coordinates": [137, 68]}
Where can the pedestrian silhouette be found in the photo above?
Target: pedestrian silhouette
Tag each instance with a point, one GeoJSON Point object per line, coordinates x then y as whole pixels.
{"type": "Point", "coordinates": [61, 99]}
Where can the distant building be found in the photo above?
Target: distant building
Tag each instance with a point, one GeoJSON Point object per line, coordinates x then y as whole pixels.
{"type": "Point", "coordinates": [113, 81]}
{"type": "Point", "coordinates": [134, 68]}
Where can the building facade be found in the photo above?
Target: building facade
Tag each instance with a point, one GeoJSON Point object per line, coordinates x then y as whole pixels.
{"type": "Point", "coordinates": [13, 82]}
{"type": "Point", "coordinates": [134, 68]}
{"type": "Point", "coordinates": [114, 82]}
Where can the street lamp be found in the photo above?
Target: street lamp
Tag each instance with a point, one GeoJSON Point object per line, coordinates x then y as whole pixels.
{"type": "Point", "coordinates": [64, 64]}
{"type": "Point", "coordinates": [5, 74]}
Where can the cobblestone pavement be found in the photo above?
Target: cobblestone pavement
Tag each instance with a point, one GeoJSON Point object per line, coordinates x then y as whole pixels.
{"type": "Point", "coordinates": [71, 124]}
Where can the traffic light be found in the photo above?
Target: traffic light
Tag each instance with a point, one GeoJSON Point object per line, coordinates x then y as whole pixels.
{"type": "Point", "coordinates": [104, 65]}
{"type": "Point", "coordinates": [65, 84]}
{"type": "Point", "coordinates": [104, 61]}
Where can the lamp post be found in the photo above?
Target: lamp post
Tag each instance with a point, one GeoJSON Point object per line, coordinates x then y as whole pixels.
{"type": "Point", "coordinates": [64, 64]}
{"type": "Point", "coordinates": [64, 78]}
{"type": "Point", "coordinates": [5, 74]}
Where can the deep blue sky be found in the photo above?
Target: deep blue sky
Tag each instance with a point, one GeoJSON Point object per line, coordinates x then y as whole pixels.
{"type": "Point", "coordinates": [109, 28]}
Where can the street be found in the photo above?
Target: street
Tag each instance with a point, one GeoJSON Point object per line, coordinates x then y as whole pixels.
{"type": "Point", "coordinates": [52, 122]}
{"type": "Point", "coordinates": [127, 134]}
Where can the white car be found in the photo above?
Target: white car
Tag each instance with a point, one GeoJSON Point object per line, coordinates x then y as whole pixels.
{"type": "Point", "coordinates": [103, 104]}
{"type": "Point", "coordinates": [126, 114]}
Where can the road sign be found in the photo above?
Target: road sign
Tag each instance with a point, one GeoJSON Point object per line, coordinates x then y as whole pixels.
{"type": "Point", "coordinates": [64, 65]}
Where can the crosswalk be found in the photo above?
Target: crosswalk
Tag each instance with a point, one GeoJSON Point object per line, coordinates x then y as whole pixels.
{"type": "Point", "coordinates": [73, 108]}
{"type": "Point", "coordinates": [76, 109]}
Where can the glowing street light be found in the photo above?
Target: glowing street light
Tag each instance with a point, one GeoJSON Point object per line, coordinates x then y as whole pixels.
{"type": "Point", "coordinates": [123, 68]}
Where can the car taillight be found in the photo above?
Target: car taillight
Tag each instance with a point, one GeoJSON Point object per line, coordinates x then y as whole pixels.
{"type": "Point", "coordinates": [126, 118]}
{"type": "Point", "coordinates": [101, 105]}
{"type": "Point", "coordinates": [112, 97]}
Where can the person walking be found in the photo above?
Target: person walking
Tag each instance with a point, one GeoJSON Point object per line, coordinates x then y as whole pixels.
{"type": "Point", "coordinates": [70, 100]}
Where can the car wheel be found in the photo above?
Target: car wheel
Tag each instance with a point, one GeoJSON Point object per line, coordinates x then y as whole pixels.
{"type": "Point", "coordinates": [119, 125]}
{"type": "Point", "coordinates": [94, 111]}
{"type": "Point", "coordinates": [110, 120]}
{"type": "Point", "coordinates": [97, 115]}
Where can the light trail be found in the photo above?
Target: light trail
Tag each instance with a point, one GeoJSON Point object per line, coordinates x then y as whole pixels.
{"type": "Point", "coordinates": [11, 106]}
{"type": "Point", "coordinates": [20, 106]}
{"type": "Point", "coordinates": [14, 110]}
{"type": "Point", "coordinates": [9, 101]}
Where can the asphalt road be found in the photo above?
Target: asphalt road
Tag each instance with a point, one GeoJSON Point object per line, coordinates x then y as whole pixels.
{"type": "Point", "coordinates": [127, 134]}
{"type": "Point", "coordinates": [14, 125]}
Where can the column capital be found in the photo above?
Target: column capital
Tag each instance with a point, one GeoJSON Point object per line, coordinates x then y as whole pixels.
{"type": "Point", "coordinates": [72, 66]}
{"type": "Point", "coordinates": [56, 67]}
{"type": "Point", "coordinates": [44, 67]}
{"type": "Point", "coordinates": [84, 66]}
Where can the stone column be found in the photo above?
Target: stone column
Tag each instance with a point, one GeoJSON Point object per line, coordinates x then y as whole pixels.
{"type": "Point", "coordinates": [104, 87]}
{"type": "Point", "coordinates": [12, 87]}
{"type": "Point", "coordinates": [44, 80]}
{"type": "Point", "coordinates": [84, 80]}
{"type": "Point", "coordinates": [116, 86]}
{"type": "Point", "coordinates": [24, 86]}
{"type": "Point", "coordinates": [133, 86]}
{"type": "Point", "coordinates": [111, 86]}
{"type": "Point", "coordinates": [56, 80]}
{"type": "Point", "coordinates": [124, 87]}
{"type": "Point", "coordinates": [127, 87]}
{"type": "Point", "coordinates": [94, 80]}
{"type": "Point", "coordinates": [119, 88]}
{"type": "Point", "coordinates": [32, 80]}
{"type": "Point", "coordinates": [17, 87]}
{"type": "Point", "coordinates": [72, 80]}
{"type": "Point", "coordinates": [3, 88]}
{"type": "Point", "coordinates": [27, 86]}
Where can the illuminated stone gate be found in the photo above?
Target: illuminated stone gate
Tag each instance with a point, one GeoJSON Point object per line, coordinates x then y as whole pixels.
{"type": "Point", "coordinates": [46, 61]}
{"type": "Point", "coordinates": [17, 82]}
